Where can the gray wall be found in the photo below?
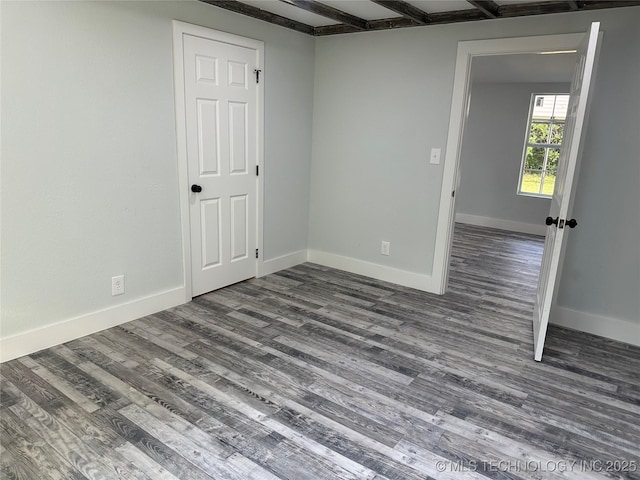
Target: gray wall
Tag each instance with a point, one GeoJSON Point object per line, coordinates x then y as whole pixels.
{"type": "Point", "coordinates": [491, 153]}
{"type": "Point", "coordinates": [89, 165]}
{"type": "Point", "coordinates": [382, 100]}
{"type": "Point", "coordinates": [89, 184]}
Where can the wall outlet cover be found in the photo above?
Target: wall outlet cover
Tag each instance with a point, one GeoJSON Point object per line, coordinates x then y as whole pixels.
{"type": "Point", "coordinates": [117, 285]}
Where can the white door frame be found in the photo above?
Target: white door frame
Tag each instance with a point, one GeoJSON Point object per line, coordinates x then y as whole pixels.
{"type": "Point", "coordinates": [459, 112]}
{"type": "Point", "coordinates": [180, 29]}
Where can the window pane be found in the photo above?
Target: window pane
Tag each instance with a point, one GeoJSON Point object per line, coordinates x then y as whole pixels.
{"type": "Point", "coordinates": [552, 161]}
{"type": "Point", "coordinates": [534, 158]}
{"type": "Point", "coordinates": [539, 133]}
{"type": "Point", "coordinates": [557, 132]}
{"type": "Point", "coordinates": [560, 107]}
{"type": "Point", "coordinates": [543, 143]}
{"type": "Point", "coordinates": [549, 184]}
{"type": "Point", "coordinates": [543, 107]}
{"type": "Point", "coordinates": [530, 182]}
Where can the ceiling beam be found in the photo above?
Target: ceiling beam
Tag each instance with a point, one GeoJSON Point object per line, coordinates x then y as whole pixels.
{"type": "Point", "coordinates": [598, 4]}
{"type": "Point", "coordinates": [549, 7]}
{"type": "Point", "coordinates": [488, 7]}
{"type": "Point", "coordinates": [260, 14]}
{"type": "Point", "coordinates": [385, 24]}
{"type": "Point", "coordinates": [402, 22]}
{"type": "Point", "coordinates": [329, 12]}
{"type": "Point", "coordinates": [405, 9]}
{"type": "Point", "coordinates": [456, 16]}
{"type": "Point", "coordinates": [525, 9]}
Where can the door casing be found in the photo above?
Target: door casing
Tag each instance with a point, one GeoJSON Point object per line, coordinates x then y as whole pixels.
{"type": "Point", "coordinates": [180, 29]}
{"type": "Point", "coordinates": [457, 120]}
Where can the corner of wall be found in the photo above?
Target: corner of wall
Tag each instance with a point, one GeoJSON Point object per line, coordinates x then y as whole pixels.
{"type": "Point", "coordinates": [282, 262]}
{"type": "Point", "coordinates": [373, 270]}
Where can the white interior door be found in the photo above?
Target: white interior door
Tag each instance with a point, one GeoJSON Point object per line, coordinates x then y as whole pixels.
{"type": "Point", "coordinates": [561, 203]}
{"type": "Point", "coordinates": [220, 95]}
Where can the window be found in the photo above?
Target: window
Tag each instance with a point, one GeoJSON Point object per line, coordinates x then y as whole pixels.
{"type": "Point", "coordinates": [542, 146]}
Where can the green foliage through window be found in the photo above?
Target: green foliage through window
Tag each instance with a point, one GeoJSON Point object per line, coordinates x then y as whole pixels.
{"type": "Point", "coordinates": [544, 139]}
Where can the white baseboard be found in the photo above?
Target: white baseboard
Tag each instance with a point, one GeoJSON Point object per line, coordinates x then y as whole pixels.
{"type": "Point", "coordinates": [509, 225]}
{"type": "Point", "coordinates": [613, 328]}
{"type": "Point", "coordinates": [380, 272]}
{"type": "Point", "coordinates": [44, 337]}
{"type": "Point", "coordinates": [280, 263]}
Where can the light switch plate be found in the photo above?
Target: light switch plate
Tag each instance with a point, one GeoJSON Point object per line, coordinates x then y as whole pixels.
{"type": "Point", "coordinates": [434, 158]}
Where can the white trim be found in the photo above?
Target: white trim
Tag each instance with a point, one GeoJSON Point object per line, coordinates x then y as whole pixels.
{"type": "Point", "coordinates": [44, 337]}
{"type": "Point", "coordinates": [280, 263]}
{"type": "Point", "coordinates": [418, 281]}
{"type": "Point", "coordinates": [459, 110]}
{"type": "Point", "coordinates": [502, 224]}
{"type": "Point", "coordinates": [180, 29]}
{"type": "Point", "coordinates": [613, 328]}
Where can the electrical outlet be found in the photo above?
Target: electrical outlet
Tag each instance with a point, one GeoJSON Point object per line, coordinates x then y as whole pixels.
{"type": "Point", "coordinates": [117, 285]}
{"type": "Point", "coordinates": [385, 248]}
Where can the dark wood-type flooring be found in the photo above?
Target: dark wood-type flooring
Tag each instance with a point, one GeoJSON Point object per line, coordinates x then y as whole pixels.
{"type": "Point", "coordinates": [314, 373]}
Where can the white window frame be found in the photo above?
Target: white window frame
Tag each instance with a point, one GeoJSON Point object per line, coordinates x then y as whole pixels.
{"type": "Point", "coordinates": [546, 146]}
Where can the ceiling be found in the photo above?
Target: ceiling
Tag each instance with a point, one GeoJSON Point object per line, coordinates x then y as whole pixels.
{"type": "Point", "coordinates": [332, 17]}
{"type": "Point", "coordinates": [524, 68]}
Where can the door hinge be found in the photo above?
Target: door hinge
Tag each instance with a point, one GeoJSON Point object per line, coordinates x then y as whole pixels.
{"type": "Point", "coordinates": [257, 170]}
{"type": "Point", "coordinates": [256, 253]}
{"type": "Point", "coordinates": [257, 72]}
{"type": "Point", "coordinates": [453, 194]}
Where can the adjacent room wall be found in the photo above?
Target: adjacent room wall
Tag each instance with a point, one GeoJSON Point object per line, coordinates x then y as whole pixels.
{"type": "Point", "coordinates": [491, 158]}
{"type": "Point", "coordinates": [89, 165]}
{"type": "Point", "coordinates": [382, 101]}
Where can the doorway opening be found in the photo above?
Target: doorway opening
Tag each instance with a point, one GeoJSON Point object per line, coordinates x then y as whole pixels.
{"type": "Point", "coordinates": [490, 207]}
{"type": "Point", "coordinates": [498, 153]}
{"type": "Point", "coordinates": [586, 47]}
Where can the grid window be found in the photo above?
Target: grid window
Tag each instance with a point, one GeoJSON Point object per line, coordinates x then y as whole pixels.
{"type": "Point", "coordinates": [542, 146]}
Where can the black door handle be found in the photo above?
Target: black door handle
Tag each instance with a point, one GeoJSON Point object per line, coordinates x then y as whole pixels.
{"type": "Point", "coordinates": [196, 188]}
{"type": "Point", "coordinates": [571, 223]}
{"type": "Point", "coordinates": [551, 221]}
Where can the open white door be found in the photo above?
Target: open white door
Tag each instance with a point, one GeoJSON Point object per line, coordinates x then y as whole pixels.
{"type": "Point", "coordinates": [562, 200]}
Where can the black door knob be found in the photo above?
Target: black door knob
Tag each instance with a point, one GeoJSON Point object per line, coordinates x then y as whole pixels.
{"type": "Point", "coordinates": [551, 221]}
{"type": "Point", "coordinates": [196, 188]}
{"type": "Point", "coordinates": [571, 223]}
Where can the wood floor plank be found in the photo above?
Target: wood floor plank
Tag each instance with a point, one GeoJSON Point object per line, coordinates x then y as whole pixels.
{"type": "Point", "coordinates": [316, 373]}
{"type": "Point", "coordinates": [24, 450]}
{"type": "Point", "coordinates": [154, 449]}
{"type": "Point", "coordinates": [86, 458]}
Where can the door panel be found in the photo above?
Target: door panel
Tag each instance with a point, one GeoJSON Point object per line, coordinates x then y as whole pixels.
{"type": "Point", "coordinates": [211, 229]}
{"type": "Point", "coordinates": [562, 200]}
{"type": "Point", "coordinates": [221, 132]}
{"type": "Point", "coordinates": [239, 227]}
{"type": "Point", "coordinates": [237, 74]}
{"type": "Point", "coordinates": [208, 135]}
{"type": "Point", "coordinates": [238, 137]}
